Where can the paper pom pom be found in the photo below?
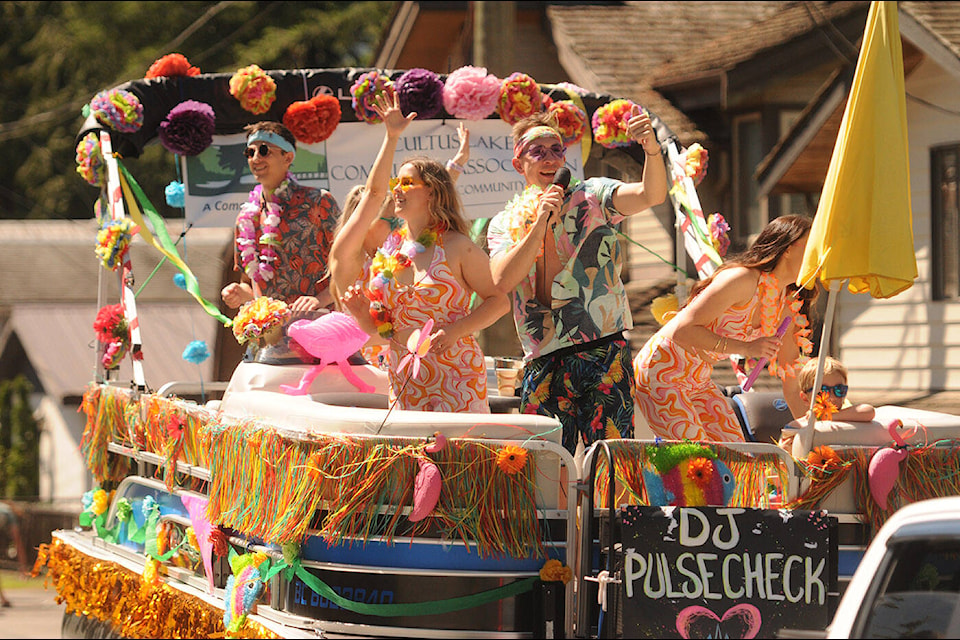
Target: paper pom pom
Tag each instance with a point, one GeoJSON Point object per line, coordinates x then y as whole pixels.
{"type": "Point", "coordinates": [610, 124]}
{"type": "Point", "coordinates": [313, 120]}
{"type": "Point", "coordinates": [519, 97]}
{"type": "Point", "coordinates": [196, 352]}
{"type": "Point", "coordinates": [90, 164]}
{"type": "Point", "coordinates": [719, 233]}
{"type": "Point", "coordinates": [420, 91]}
{"type": "Point", "coordinates": [364, 91]}
{"type": "Point", "coordinates": [173, 192]}
{"type": "Point", "coordinates": [118, 109]}
{"type": "Point", "coordinates": [255, 90]}
{"type": "Point", "coordinates": [180, 281]}
{"type": "Point", "coordinates": [696, 163]}
{"type": "Point", "coordinates": [664, 308]}
{"type": "Point", "coordinates": [170, 65]}
{"type": "Point", "coordinates": [470, 93]}
{"type": "Point", "coordinates": [110, 324]}
{"type": "Point", "coordinates": [571, 121]}
{"type": "Point", "coordinates": [113, 240]}
{"type": "Point", "coordinates": [188, 128]}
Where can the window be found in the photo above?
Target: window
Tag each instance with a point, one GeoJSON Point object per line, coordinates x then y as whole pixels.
{"type": "Point", "coordinates": [919, 592]}
{"type": "Point", "coordinates": [945, 181]}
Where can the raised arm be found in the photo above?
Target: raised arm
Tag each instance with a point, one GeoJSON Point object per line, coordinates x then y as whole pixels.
{"type": "Point", "coordinates": [458, 163]}
{"type": "Point", "coordinates": [347, 253]}
{"type": "Point", "coordinates": [634, 197]}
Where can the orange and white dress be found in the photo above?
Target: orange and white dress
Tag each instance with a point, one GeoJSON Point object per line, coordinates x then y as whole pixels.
{"type": "Point", "coordinates": [452, 380]}
{"type": "Point", "coordinates": [675, 391]}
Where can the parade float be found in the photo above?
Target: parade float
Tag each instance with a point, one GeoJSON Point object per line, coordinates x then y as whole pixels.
{"type": "Point", "coordinates": [300, 503]}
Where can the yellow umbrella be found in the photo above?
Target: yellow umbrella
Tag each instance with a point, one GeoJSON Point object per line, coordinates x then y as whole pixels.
{"type": "Point", "coordinates": [863, 230]}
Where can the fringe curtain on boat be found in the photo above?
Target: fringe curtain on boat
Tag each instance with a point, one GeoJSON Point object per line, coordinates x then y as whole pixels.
{"type": "Point", "coordinates": [752, 474]}
{"type": "Point", "coordinates": [269, 485]}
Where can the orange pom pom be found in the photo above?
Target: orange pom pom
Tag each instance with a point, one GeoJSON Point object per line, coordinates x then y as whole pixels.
{"type": "Point", "coordinates": [172, 64]}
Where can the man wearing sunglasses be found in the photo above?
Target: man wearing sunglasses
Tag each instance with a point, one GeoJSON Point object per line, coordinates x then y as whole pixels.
{"type": "Point", "coordinates": [284, 231]}
{"type": "Point", "coordinates": [557, 251]}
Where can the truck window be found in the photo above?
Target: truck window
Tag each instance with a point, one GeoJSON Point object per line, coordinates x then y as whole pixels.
{"type": "Point", "coordinates": [918, 596]}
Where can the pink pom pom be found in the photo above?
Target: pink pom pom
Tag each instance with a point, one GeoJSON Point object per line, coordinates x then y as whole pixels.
{"type": "Point", "coordinates": [470, 93]}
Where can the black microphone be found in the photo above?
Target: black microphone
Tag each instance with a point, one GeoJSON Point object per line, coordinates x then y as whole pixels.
{"type": "Point", "coordinates": [562, 178]}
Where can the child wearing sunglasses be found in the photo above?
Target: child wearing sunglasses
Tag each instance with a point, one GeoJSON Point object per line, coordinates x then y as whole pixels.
{"type": "Point", "coordinates": [833, 390]}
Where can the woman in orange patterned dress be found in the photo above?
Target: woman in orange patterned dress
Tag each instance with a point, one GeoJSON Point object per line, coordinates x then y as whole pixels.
{"type": "Point", "coordinates": [428, 269]}
{"type": "Point", "coordinates": [737, 310]}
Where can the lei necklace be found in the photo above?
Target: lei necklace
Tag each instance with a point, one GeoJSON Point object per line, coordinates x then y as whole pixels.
{"type": "Point", "coordinates": [258, 255]}
{"type": "Point", "coordinates": [396, 254]}
{"type": "Point", "coordinates": [521, 212]}
{"type": "Point", "coordinates": [770, 312]}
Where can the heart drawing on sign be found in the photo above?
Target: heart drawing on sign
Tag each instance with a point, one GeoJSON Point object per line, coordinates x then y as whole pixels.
{"type": "Point", "coordinates": [739, 621]}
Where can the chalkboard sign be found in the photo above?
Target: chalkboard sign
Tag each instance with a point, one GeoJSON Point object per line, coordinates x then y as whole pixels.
{"type": "Point", "coordinates": [720, 572]}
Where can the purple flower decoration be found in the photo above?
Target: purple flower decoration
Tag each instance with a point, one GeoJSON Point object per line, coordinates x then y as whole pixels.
{"type": "Point", "coordinates": [420, 91]}
{"type": "Point", "coordinates": [188, 128]}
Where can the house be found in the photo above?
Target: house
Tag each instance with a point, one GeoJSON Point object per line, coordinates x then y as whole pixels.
{"type": "Point", "coordinates": [49, 302]}
{"type": "Point", "coordinates": [762, 86]}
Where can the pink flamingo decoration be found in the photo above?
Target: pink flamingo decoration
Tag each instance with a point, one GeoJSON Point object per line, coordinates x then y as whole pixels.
{"type": "Point", "coordinates": [884, 466]}
{"type": "Point", "coordinates": [427, 485]}
{"type": "Point", "coordinates": [332, 337]}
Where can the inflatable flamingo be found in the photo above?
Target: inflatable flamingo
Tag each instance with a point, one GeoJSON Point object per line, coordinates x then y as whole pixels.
{"type": "Point", "coordinates": [332, 337]}
{"type": "Point", "coordinates": [885, 466]}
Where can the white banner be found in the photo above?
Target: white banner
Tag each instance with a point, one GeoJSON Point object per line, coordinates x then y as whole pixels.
{"type": "Point", "coordinates": [217, 182]}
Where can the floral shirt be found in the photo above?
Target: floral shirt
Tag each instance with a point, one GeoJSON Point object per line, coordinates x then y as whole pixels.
{"type": "Point", "coordinates": [307, 222]}
{"type": "Point", "coordinates": [589, 299]}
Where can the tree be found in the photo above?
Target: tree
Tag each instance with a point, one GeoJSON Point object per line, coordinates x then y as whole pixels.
{"type": "Point", "coordinates": [19, 441]}
{"type": "Point", "coordinates": [57, 55]}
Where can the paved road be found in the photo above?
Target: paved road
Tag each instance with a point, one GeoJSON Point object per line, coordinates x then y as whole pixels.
{"type": "Point", "coordinates": [34, 612]}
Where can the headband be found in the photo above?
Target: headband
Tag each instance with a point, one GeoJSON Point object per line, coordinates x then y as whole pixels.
{"type": "Point", "coordinates": [539, 131]}
{"type": "Point", "coordinates": [272, 138]}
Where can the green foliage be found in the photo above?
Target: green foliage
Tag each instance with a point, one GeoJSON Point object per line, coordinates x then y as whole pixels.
{"type": "Point", "coordinates": [57, 55]}
{"type": "Point", "coordinates": [19, 441]}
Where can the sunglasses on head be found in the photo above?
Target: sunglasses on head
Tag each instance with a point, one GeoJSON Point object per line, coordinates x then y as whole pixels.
{"type": "Point", "coordinates": [838, 390]}
{"type": "Point", "coordinates": [539, 152]}
{"type": "Point", "coordinates": [263, 149]}
{"type": "Point", "coordinates": [405, 183]}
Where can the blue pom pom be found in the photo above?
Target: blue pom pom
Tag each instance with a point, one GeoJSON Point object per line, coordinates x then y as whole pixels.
{"type": "Point", "coordinates": [180, 281]}
{"type": "Point", "coordinates": [196, 352]}
{"type": "Point", "coordinates": [174, 194]}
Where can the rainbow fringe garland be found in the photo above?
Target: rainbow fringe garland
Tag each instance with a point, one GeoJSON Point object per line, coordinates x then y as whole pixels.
{"type": "Point", "coordinates": [111, 593]}
{"type": "Point", "coordinates": [271, 485]}
{"type": "Point", "coordinates": [752, 474]}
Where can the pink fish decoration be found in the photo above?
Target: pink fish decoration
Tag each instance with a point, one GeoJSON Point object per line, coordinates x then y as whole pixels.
{"type": "Point", "coordinates": [332, 337]}
{"type": "Point", "coordinates": [426, 490]}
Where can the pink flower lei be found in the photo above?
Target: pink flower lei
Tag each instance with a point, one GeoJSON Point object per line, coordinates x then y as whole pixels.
{"type": "Point", "coordinates": [258, 255]}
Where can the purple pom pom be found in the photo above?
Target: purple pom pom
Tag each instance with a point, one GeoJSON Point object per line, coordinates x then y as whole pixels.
{"type": "Point", "coordinates": [188, 128]}
{"type": "Point", "coordinates": [420, 91]}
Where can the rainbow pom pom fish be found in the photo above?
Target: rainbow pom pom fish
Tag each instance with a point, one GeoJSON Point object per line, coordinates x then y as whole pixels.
{"type": "Point", "coordinates": [687, 475]}
{"type": "Point", "coordinates": [243, 589]}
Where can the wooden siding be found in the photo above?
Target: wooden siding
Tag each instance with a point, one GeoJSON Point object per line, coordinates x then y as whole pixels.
{"type": "Point", "coordinates": [910, 342]}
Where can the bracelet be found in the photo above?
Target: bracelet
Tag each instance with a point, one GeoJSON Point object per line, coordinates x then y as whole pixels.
{"type": "Point", "coordinates": [655, 153]}
{"type": "Point", "coordinates": [716, 347]}
{"type": "Point", "coordinates": [453, 165]}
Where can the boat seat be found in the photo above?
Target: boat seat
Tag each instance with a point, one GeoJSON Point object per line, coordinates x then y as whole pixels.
{"type": "Point", "coordinates": [762, 414]}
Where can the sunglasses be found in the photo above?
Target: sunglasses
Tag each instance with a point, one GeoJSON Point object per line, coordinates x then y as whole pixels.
{"type": "Point", "coordinates": [838, 390]}
{"type": "Point", "coordinates": [262, 149]}
{"type": "Point", "coordinates": [405, 183]}
{"type": "Point", "coordinates": [538, 152]}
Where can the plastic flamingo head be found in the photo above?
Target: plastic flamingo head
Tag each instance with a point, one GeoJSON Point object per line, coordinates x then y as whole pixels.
{"type": "Point", "coordinates": [892, 428]}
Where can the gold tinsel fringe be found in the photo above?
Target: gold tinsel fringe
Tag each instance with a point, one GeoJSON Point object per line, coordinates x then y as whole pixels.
{"type": "Point", "coordinates": [111, 593]}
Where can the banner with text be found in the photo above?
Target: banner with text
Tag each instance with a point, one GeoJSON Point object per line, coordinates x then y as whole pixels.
{"type": "Point", "coordinates": [218, 181]}
{"type": "Point", "coordinates": [719, 572]}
